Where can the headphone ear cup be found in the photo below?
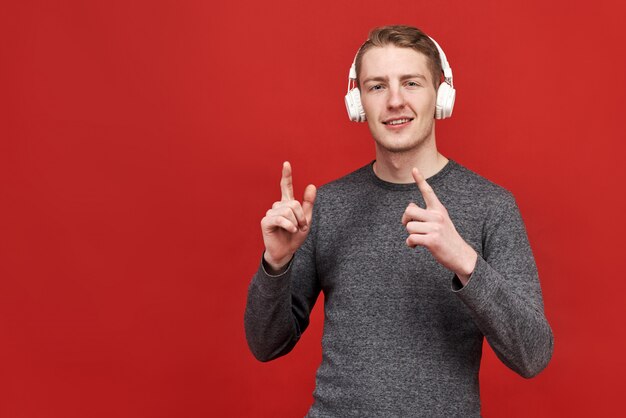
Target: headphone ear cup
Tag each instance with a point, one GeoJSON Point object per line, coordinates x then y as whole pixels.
{"type": "Point", "coordinates": [445, 101]}
{"type": "Point", "coordinates": [356, 113]}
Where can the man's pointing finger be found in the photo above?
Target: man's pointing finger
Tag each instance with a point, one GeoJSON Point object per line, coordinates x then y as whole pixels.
{"type": "Point", "coordinates": [430, 198]}
{"type": "Point", "coordinates": [286, 183]}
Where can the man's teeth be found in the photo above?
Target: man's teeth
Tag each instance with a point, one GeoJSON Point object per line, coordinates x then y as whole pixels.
{"type": "Point", "coordinates": [398, 121]}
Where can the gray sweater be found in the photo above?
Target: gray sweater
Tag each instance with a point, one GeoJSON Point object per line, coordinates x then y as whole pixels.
{"type": "Point", "coordinates": [402, 336]}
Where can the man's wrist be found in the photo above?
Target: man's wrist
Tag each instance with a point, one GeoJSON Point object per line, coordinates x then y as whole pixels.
{"type": "Point", "coordinates": [467, 268]}
{"type": "Point", "coordinates": [275, 268]}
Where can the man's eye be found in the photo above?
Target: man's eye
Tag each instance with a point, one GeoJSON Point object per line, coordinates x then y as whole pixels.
{"type": "Point", "coordinates": [413, 84]}
{"type": "Point", "coordinates": [376, 87]}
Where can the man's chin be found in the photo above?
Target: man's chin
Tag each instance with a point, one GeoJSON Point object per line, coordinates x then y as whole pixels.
{"type": "Point", "coordinates": [397, 146]}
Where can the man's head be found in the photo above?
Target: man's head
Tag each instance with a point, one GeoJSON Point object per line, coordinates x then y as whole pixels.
{"type": "Point", "coordinates": [402, 37]}
{"type": "Point", "coordinates": [398, 73]}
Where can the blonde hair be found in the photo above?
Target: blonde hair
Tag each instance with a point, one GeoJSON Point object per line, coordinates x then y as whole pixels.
{"type": "Point", "coordinates": [403, 37]}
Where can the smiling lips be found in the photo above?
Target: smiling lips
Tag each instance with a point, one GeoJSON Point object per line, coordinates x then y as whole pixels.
{"type": "Point", "coordinates": [397, 121]}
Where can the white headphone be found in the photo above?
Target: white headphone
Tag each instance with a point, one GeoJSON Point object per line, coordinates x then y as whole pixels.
{"type": "Point", "coordinates": [445, 93]}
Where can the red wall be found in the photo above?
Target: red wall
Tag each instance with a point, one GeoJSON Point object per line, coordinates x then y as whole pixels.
{"type": "Point", "coordinates": [141, 143]}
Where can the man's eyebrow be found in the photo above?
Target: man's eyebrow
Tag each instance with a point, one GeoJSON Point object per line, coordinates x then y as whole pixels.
{"type": "Point", "coordinates": [374, 79]}
{"type": "Point", "coordinates": [416, 75]}
{"type": "Point", "coordinates": [403, 77]}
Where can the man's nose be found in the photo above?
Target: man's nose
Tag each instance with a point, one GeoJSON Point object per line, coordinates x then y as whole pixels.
{"type": "Point", "coordinates": [395, 98]}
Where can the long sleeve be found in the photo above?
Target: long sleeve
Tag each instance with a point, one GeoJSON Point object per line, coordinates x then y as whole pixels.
{"type": "Point", "coordinates": [278, 307]}
{"type": "Point", "coordinates": [504, 294]}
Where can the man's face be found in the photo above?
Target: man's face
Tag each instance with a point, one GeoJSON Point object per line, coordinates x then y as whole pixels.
{"type": "Point", "coordinates": [398, 96]}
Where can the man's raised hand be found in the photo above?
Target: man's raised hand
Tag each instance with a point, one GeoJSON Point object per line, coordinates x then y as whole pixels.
{"type": "Point", "coordinates": [287, 224]}
{"type": "Point", "coordinates": [432, 228]}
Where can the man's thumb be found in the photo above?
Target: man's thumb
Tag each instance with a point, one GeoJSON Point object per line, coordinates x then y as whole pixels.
{"type": "Point", "coordinates": [307, 203]}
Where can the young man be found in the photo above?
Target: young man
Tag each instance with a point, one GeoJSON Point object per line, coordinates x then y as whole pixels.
{"type": "Point", "coordinates": [418, 257]}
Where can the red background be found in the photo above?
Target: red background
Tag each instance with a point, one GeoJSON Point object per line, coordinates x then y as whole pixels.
{"type": "Point", "coordinates": [141, 143]}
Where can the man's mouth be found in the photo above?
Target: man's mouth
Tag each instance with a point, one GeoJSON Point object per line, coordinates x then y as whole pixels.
{"type": "Point", "coordinates": [398, 121]}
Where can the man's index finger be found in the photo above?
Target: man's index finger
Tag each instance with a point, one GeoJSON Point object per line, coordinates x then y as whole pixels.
{"type": "Point", "coordinates": [286, 182]}
{"type": "Point", "coordinates": [430, 198]}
